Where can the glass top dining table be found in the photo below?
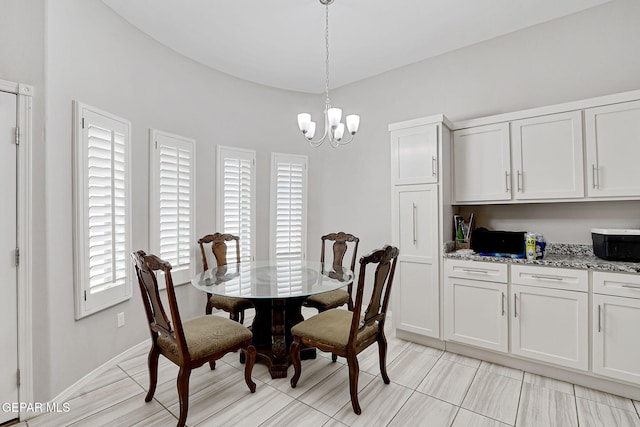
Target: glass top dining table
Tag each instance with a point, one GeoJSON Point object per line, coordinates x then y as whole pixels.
{"type": "Point", "coordinates": [273, 279]}
{"type": "Point", "coordinates": [277, 289]}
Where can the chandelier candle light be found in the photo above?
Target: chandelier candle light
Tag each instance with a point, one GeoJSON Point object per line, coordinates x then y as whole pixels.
{"type": "Point", "coordinates": [333, 128]}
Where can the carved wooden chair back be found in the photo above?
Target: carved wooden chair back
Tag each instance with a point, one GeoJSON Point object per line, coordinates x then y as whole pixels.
{"type": "Point", "coordinates": [340, 248]}
{"type": "Point", "coordinates": [159, 324]}
{"type": "Point", "coordinates": [219, 248]}
{"type": "Point", "coordinates": [376, 311]}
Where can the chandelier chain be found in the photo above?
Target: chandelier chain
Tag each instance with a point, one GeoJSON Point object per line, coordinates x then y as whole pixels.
{"type": "Point", "coordinates": [326, 39]}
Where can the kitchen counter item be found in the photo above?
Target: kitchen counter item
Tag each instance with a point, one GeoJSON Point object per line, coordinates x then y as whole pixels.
{"type": "Point", "coordinates": [501, 243]}
{"type": "Point", "coordinates": [616, 244]}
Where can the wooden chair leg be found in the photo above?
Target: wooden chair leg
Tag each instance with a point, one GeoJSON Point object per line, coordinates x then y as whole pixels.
{"type": "Point", "coordinates": [334, 357]}
{"type": "Point", "coordinates": [208, 308]}
{"type": "Point", "coordinates": [354, 372]}
{"type": "Point", "coordinates": [153, 373]}
{"type": "Point", "coordinates": [183, 394]}
{"type": "Point", "coordinates": [250, 353]}
{"type": "Point", "coordinates": [382, 350]}
{"type": "Point", "coordinates": [294, 354]}
{"type": "Point", "coordinates": [241, 317]}
{"type": "Point", "coordinates": [212, 364]}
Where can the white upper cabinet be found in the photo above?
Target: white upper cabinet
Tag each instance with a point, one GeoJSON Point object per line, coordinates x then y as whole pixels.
{"type": "Point", "coordinates": [481, 164]}
{"type": "Point", "coordinates": [414, 154]}
{"type": "Point", "coordinates": [577, 151]}
{"type": "Point", "coordinates": [547, 157]}
{"type": "Point", "coordinates": [613, 150]}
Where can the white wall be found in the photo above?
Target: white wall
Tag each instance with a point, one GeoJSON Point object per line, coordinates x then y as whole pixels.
{"type": "Point", "coordinates": [96, 57]}
{"type": "Point", "coordinates": [588, 54]}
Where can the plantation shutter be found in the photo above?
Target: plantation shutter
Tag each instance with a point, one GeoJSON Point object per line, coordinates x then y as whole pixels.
{"type": "Point", "coordinates": [289, 185]}
{"type": "Point", "coordinates": [236, 199]}
{"type": "Point", "coordinates": [106, 208]}
{"type": "Point", "coordinates": [173, 202]}
{"type": "Point", "coordinates": [102, 217]}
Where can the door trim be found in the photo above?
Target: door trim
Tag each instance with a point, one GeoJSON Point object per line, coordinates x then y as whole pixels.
{"type": "Point", "coordinates": [25, 332]}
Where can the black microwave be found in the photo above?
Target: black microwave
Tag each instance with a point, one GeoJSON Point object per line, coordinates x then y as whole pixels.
{"type": "Point", "coordinates": [489, 242]}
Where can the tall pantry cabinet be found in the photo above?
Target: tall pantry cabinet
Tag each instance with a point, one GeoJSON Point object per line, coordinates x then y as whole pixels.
{"type": "Point", "coordinates": [420, 160]}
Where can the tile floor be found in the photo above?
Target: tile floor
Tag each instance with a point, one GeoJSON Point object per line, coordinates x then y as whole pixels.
{"type": "Point", "coordinates": [428, 387]}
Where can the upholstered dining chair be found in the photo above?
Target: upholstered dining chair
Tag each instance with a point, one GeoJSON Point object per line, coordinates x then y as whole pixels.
{"type": "Point", "coordinates": [339, 297]}
{"type": "Point", "coordinates": [347, 333]}
{"type": "Point", "coordinates": [234, 306]}
{"type": "Point", "coordinates": [190, 344]}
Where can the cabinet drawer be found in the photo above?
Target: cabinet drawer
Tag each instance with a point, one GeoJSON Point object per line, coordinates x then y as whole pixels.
{"type": "Point", "coordinates": [620, 284]}
{"type": "Point", "coordinates": [550, 277]}
{"type": "Point", "coordinates": [476, 270]}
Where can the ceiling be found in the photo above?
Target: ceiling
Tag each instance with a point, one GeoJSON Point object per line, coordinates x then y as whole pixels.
{"type": "Point", "coordinates": [280, 43]}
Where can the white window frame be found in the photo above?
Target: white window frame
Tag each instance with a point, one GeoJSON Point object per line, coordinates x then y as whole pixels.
{"type": "Point", "coordinates": [279, 158]}
{"type": "Point", "coordinates": [87, 302]}
{"type": "Point", "coordinates": [183, 269]}
{"type": "Point", "coordinates": [225, 152]}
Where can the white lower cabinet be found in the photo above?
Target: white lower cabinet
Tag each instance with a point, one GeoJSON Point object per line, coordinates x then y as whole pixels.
{"type": "Point", "coordinates": [550, 315]}
{"type": "Point", "coordinates": [546, 310]}
{"type": "Point", "coordinates": [475, 304]}
{"type": "Point", "coordinates": [616, 347]}
{"type": "Point", "coordinates": [476, 313]}
{"type": "Point", "coordinates": [416, 307]}
{"type": "Point", "coordinates": [550, 325]}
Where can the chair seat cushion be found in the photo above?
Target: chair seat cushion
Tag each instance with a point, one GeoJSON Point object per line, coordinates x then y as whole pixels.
{"type": "Point", "coordinates": [207, 335]}
{"type": "Point", "coordinates": [327, 300]}
{"type": "Point", "coordinates": [229, 304]}
{"type": "Point", "coordinates": [332, 328]}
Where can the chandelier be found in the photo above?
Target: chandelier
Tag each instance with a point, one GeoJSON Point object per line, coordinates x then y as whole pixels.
{"type": "Point", "coordinates": [334, 129]}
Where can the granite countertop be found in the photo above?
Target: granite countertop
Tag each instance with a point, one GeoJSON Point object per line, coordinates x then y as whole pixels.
{"type": "Point", "coordinates": [557, 255]}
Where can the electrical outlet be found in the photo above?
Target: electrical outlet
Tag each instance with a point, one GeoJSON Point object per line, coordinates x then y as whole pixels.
{"type": "Point", "coordinates": [120, 319]}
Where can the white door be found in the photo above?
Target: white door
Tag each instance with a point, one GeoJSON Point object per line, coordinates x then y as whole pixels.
{"type": "Point", "coordinates": [547, 157]}
{"type": "Point", "coordinates": [8, 268]}
{"type": "Point", "coordinates": [416, 288]}
{"type": "Point", "coordinates": [482, 164]}
{"type": "Point", "coordinates": [476, 313]}
{"type": "Point", "coordinates": [613, 149]}
{"type": "Point", "coordinates": [615, 337]}
{"type": "Point", "coordinates": [550, 325]}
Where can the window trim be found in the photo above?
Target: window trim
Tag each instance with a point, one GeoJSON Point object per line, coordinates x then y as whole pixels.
{"type": "Point", "coordinates": [180, 274]}
{"type": "Point", "coordinates": [86, 303]}
{"type": "Point", "coordinates": [289, 158]}
{"type": "Point", "coordinates": [243, 154]}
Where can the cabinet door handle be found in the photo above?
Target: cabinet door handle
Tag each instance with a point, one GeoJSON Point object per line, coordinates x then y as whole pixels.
{"type": "Point", "coordinates": [506, 181]}
{"type": "Point", "coordinates": [519, 182]}
{"type": "Point", "coordinates": [503, 312]}
{"type": "Point", "coordinates": [434, 166]}
{"type": "Point", "coordinates": [595, 183]}
{"type": "Point", "coordinates": [515, 305]}
{"type": "Point", "coordinates": [535, 276]}
{"type": "Point", "coordinates": [415, 237]}
{"type": "Point", "coordinates": [599, 318]}
{"type": "Point", "coordinates": [473, 270]}
{"type": "Point", "coordinates": [628, 285]}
